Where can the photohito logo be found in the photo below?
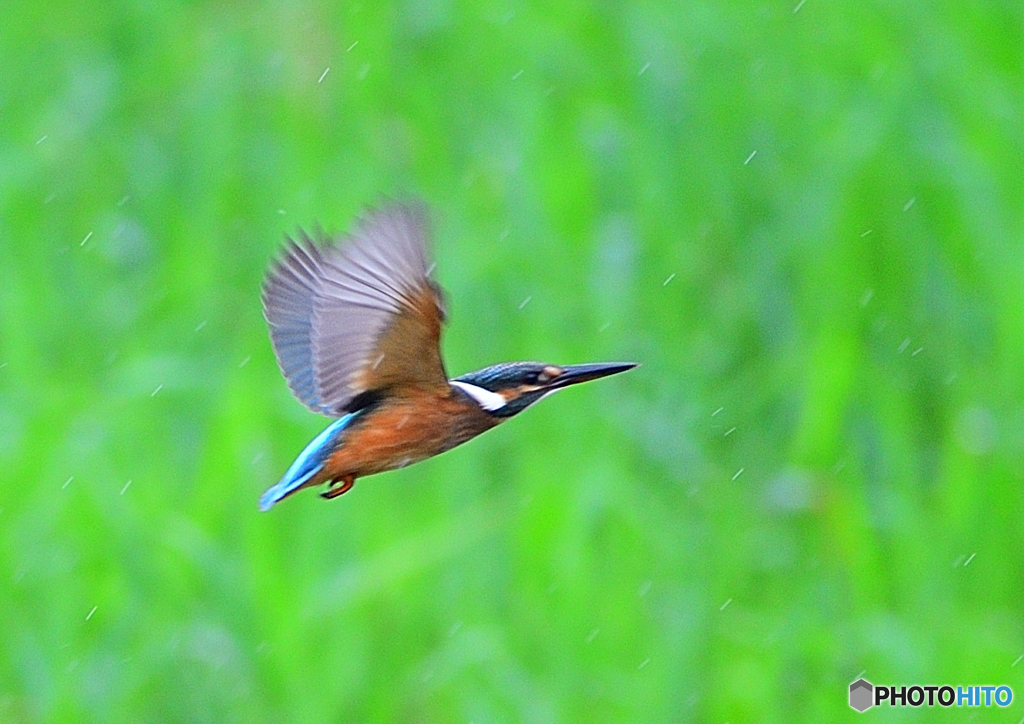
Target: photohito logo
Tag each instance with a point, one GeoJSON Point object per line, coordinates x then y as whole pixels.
{"type": "Point", "coordinates": [864, 695]}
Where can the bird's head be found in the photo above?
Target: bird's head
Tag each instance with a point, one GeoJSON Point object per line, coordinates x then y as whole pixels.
{"type": "Point", "coordinates": [507, 389]}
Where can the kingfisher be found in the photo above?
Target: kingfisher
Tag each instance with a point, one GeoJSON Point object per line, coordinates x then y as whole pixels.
{"type": "Point", "coordinates": [355, 323]}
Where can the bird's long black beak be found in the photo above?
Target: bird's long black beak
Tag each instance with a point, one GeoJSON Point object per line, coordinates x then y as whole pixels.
{"type": "Point", "coordinates": [574, 374]}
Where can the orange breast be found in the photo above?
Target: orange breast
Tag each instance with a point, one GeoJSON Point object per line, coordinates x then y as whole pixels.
{"type": "Point", "coordinates": [405, 430]}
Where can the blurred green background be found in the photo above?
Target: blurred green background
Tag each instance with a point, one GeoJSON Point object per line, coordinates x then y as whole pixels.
{"type": "Point", "coordinates": [805, 219]}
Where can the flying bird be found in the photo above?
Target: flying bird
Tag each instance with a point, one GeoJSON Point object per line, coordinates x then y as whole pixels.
{"type": "Point", "coordinates": [356, 324]}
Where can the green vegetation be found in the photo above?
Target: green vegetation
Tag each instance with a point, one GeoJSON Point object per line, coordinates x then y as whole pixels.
{"type": "Point", "coordinates": [805, 221]}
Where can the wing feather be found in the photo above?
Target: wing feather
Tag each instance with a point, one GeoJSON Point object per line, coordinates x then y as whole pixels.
{"type": "Point", "coordinates": [357, 314]}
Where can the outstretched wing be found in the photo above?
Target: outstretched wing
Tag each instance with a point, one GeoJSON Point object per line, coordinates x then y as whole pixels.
{"type": "Point", "coordinates": [357, 314]}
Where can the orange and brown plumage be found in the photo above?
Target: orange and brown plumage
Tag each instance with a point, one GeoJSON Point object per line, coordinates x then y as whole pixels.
{"type": "Point", "coordinates": [356, 327]}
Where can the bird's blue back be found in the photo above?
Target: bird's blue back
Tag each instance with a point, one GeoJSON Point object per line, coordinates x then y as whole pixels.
{"type": "Point", "coordinates": [309, 462]}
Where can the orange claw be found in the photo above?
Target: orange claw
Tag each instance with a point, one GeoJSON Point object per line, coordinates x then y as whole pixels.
{"type": "Point", "coordinates": [333, 492]}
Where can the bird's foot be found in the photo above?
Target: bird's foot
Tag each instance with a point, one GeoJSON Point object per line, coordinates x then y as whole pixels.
{"type": "Point", "coordinates": [339, 487]}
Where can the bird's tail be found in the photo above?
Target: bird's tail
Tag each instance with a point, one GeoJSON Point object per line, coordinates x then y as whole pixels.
{"type": "Point", "coordinates": [286, 487]}
{"type": "Point", "coordinates": [309, 462]}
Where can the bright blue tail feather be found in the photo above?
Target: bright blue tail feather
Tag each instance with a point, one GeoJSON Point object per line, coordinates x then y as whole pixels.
{"type": "Point", "coordinates": [309, 462]}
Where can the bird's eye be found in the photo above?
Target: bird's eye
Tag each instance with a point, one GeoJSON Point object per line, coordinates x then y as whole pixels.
{"type": "Point", "coordinates": [548, 373]}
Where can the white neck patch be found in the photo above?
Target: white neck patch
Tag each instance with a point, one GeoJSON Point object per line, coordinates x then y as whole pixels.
{"type": "Point", "coordinates": [488, 400]}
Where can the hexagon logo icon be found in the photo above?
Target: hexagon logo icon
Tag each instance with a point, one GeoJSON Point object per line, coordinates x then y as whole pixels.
{"type": "Point", "coordinates": [861, 695]}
